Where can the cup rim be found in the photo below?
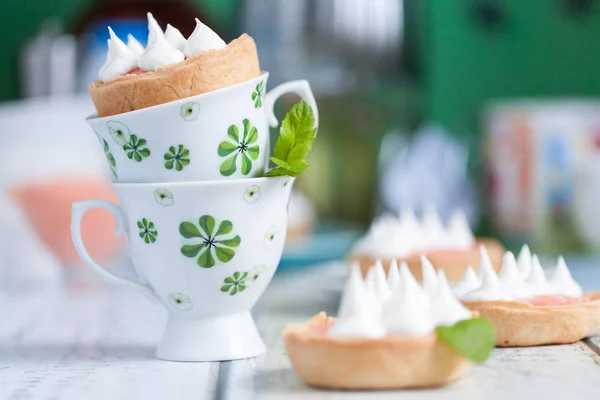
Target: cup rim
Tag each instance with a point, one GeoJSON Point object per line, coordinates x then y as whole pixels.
{"type": "Point", "coordinates": [223, 182]}
{"type": "Point", "coordinates": [94, 117]}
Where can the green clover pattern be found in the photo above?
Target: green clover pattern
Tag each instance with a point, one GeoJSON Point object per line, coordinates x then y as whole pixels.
{"type": "Point", "coordinates": [235, 284]}
{"type": "Point", "coordinates": [148, 232]}
{"type": "Point", "coordinates": [259, 94]}
{"type": "Point", "coordinates": [110, 158]}
{"type": "Point", "coordinates": [177, 157]}
{"type": "Point", "coordinates": [136, 148]}
{"type": "Point", "coordinates": [213, 242]}
{"type": "Point", "coordinates": [245, 146]}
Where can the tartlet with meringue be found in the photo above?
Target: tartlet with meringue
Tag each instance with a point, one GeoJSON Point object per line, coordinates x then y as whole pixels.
{"type": "Point", "coordinates": [452, 248]}
{"type": "Point", "coordinates": [170, 68]}
{"type": "Point", "coordinates": [390, 333]}
{"type": "Point", "coordinates": [526, 307]}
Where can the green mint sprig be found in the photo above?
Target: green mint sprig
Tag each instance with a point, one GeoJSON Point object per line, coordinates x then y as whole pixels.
{"type": "Point", "coordinates": [295, 141]}
{"type": "Point", "coordinates": [473, 338]}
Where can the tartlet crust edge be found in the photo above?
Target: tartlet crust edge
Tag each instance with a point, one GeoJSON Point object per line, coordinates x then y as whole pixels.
{"type": "Point", "coordinates": [522, 324]}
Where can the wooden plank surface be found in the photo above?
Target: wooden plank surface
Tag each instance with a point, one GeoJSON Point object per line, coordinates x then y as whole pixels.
{"type": "Point", "coordinates": [100, 345]}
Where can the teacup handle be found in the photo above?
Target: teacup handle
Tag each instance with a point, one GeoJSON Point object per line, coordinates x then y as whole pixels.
{"type": "Point", "coordinates": [301, 88]}
{"type": "Point", "coordinates": [78, 211]}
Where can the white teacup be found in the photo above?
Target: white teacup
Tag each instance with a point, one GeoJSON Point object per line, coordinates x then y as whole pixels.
{"type": "Point", "coordinates": [206, 250]}
{"type": "Point", "coordinates": [218, 135]}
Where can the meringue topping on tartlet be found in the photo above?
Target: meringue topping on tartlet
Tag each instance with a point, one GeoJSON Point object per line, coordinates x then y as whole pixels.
{"type": "Point", "coordinates": [405, 339]}
{"type": "Point", "coordinates": [527, 309]}
{"type": "Point", "coordinates": [452, 248]}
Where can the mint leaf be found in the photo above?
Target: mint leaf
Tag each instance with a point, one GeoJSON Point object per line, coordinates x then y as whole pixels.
{"type": "Point", "coordinates": [473, 338]}
{"type": "Point", "coordinates": [277, 172]}
{"type": "Point", "coordinates": [295, 141]}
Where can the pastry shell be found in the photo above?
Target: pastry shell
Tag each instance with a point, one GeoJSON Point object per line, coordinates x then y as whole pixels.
{"type": "Point", "coordinates": [393, 362]}
{"type": "Point", "coordinates": [453, 262]}
{"type": "Point", "coordinates": [522, 324]}
{"type": "Point", "coordinates": [202, 73]}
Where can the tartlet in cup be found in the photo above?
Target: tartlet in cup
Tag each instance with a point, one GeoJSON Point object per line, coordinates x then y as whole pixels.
{"type": "Point", "coordinates": [201, 73]}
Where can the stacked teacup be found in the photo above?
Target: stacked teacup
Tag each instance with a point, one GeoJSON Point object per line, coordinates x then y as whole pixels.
{"type": "Point", "coordinates": [205, 228]}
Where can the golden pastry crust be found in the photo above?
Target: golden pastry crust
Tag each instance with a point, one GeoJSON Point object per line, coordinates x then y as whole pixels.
{"type": "Point", "coordinates": [454, 263]}
{"type": "Point", "coordinates": [522, 324]}
{"type": "Point", "coordinates": [393, 362]}
{"type": "Point", "coordinates": [202, 73]}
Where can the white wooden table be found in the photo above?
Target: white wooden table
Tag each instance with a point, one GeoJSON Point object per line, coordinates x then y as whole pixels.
{"type": "Point", "coordinates": [74, 344]}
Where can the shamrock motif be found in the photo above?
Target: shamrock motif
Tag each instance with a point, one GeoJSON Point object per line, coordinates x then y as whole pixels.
{"type": "Point", "coordinates": [235, 284]}
{"type": "Point", "coordinates": [147, 231]}
{"type": "Point", "coordinates": [259, 94]}
{"type": "Point", "coordinates": [189, 111]}
{"type": "Point", "coordinates": [164, 197]}
{"type": "Point", "coordinates": [177, 157]}
{"type": "Point", "coordinates": [181, 301]}
{"type": "Point", "coordinates": [119, 132]}
{"type": "Point", "coordinates": [110, 158]}
{"type": "Point", "coordinates": [212, 241]}
{"type": "Point", "coordinates": [271, 237]}
{"type": "Point", "coordinates": [252, 194]}
{"type": "Point", "coordinates": [136, 149]}
{"type": "Point", "coordinates": [256, 272]}
{"type": "Point", "coordinates": [237, 146]}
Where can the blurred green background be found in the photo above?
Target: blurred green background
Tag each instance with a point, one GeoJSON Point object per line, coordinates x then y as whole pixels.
{"type": "Point", "coordinates": [383, 69]}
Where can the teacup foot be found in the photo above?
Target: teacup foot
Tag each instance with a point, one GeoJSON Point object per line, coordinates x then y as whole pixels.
{"type": "Point", "coordinates": [218, 338]}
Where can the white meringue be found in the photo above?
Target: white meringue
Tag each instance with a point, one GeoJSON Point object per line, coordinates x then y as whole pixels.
{"type": "Point", "coordinates": [468, 282]}
{"type": "Point", "coordinates": [202, 39]}
{"type": "Point", "coordinates": [135, 46]}
{"type": "Point", "coordinates": [393, 277]}
{"type": "Point", "coordinates": [119, 59]}
{"type": "Point", "coordinates": [174, 37]}
{"type": "Point", "coordinates": [430, 278]}
{"type": "Point", "coordinates": [158, 52]}
{"type": "Point", "coordinates": [536, 283]}
{"type": "Point", "coordinates": [524, 261]}
{"type": "Point", "coordinates": [562, 282]}
{"type": "Point", "coordinates": [380, 286]}
{"type": "Point", "coordinates": [510, 279]}
{"type": "Point", "coordinates": [445, 308]}
{"type": "Point", "coordinates": [360, 312]}
{"type": "Point", "coordinates": [490, 286]}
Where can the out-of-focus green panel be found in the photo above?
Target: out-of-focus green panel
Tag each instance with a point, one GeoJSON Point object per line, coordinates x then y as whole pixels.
{"type": "Point", "coordinates": [538, 50]}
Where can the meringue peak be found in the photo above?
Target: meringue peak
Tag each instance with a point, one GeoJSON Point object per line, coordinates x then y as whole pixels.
{"type": "Point", "coordinates": [446, 309]}
{"type": "Point", "coordinates": [119, 58]}
{"type": "Point", "coordinates": [468, 282]}
{"type": "Point", "coordinates": [524, 261]}
{"type": "Point", "coordinates": [174, 37]}
{"type": "Point", "coordinates": [158, 52]}
{"type": "Point", "coordinates": [510, 277]}
{"type": "Point", "coordinates": [134, 45]}
{"type": "Point", "coordinates": [393, 277]}
{"type": "Point", "coordinates": [430, 278]}
{"type": "Point", "coordinates": [380, 285]}
{"type": "Point", "coordinates": [202, 39]}
{"type": "Point", "coordinates": [563, 282]}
